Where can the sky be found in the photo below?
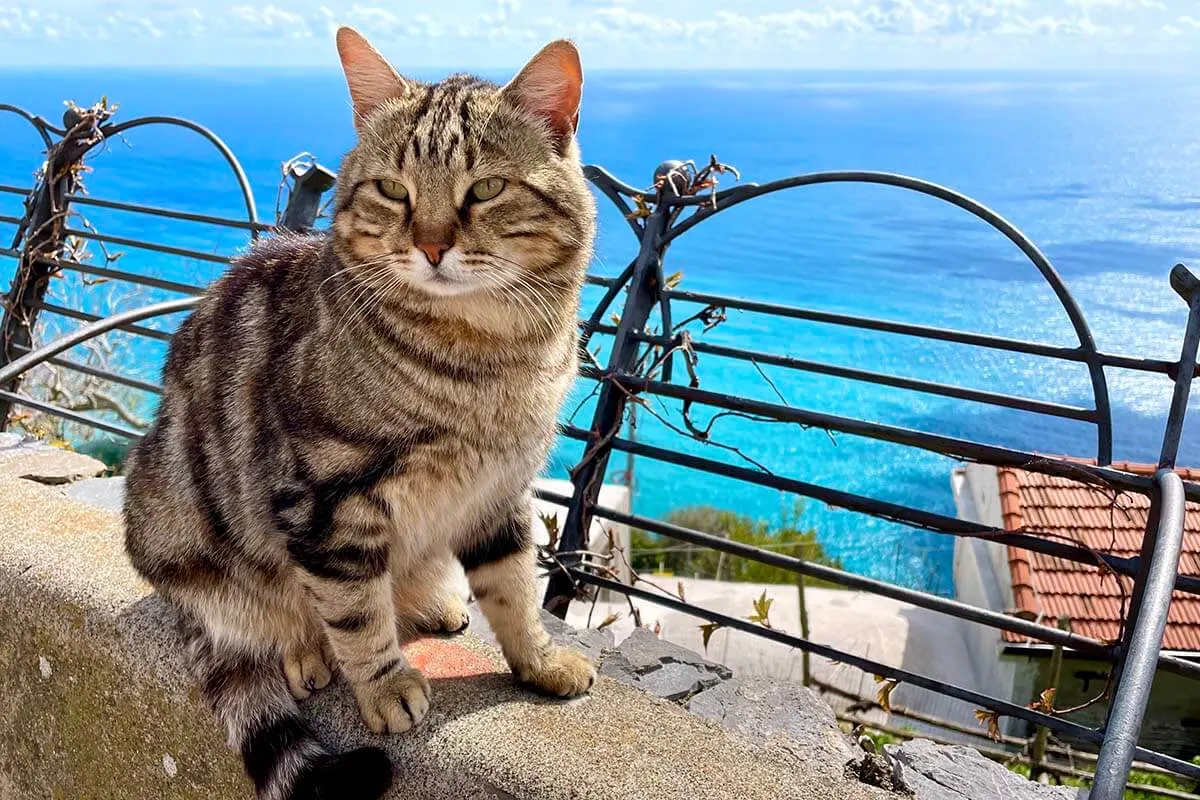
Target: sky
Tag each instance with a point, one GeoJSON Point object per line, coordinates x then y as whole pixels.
{"type": "Point", "coordinates": [614, 34]}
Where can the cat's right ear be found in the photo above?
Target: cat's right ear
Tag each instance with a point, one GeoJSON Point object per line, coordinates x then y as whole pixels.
{"type": "Point", "coordinates": [371, 79]}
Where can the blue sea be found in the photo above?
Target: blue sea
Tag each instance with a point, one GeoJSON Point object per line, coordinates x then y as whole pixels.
{"type": "Point", "coordinates": [1102, 171]}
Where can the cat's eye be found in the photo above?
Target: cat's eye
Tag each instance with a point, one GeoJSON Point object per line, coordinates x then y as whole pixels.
{"type": "Point", "coordinates": [486, 189]}
{"type": "Point", "coordinates": [393, 190]}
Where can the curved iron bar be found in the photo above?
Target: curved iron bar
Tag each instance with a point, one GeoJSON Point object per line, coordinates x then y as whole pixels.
{"type": "Point", "coordinates": [86, 316]}
{"type": "Point", "coordinates": [238, 173]}
{"type": "Point", "coordinates": [39, 124]}
{"type": "Point", "coordinates": [31, 359]}
{"type": "Point", "coordinates": [710, 205]}
{"type": "Point", "coordinates": [614, 289]}
{"type": "Point", "coordinates": [69, 415]}
{"type": "Point", "coordinates": [612, 188]}
{"type": "Point", "coordinates": [1141, 658]}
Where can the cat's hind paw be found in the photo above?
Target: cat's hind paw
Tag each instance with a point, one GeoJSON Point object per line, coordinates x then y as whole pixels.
{"type": "Point", "coordinates": [307, 671]}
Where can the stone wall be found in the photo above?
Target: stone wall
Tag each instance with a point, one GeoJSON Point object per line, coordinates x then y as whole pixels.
{"type": "Point", "coordinates": [97, 705]}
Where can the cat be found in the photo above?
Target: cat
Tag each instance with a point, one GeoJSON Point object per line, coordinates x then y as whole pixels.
{"type": "Point", "coordinates": [347, 414]}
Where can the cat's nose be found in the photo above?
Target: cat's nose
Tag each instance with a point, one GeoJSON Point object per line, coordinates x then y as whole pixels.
{"type": "Point", "coordinates": [434, 250]}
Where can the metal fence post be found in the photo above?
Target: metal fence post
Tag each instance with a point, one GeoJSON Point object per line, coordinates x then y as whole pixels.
{"type": "Point", "coordinates": [1139, 657]}
{"type": "Point", "coordinates": [41, 235]}
{"type": "Point", "coordinates": [1187, 286]}
{"type": "Point", "coordinates": [310, 181]}
{"type": "Point", "coordinates": [587, 477]}
{"type": "Point", "coordinates": [1157, 562]}
{"type": "Point", "coordinates": [1037, 755]}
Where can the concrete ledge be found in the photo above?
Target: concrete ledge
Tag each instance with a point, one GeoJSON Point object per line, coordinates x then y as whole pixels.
{"type": "Point", "coordinates": [97, 705]}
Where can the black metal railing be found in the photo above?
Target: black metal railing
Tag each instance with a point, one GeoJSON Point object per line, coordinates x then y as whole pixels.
{"type": "Point", "coordinates": [651, 354]}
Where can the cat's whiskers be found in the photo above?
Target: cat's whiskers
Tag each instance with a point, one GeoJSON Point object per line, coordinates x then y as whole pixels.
{"type": "Point", "coordinates": [499, 283]}
{"type": "Point", "coordinates": [367, 269]}
{"type": "Point", "coordinates": [354, 301]}
{"type": "Point", "coordinates": [361, 264]}
{"type": "Point", "coordinates": [530, 298]}
{"type": "Point", "coordinates": [369, 307]}
{"type": "Point", "coordinates": [355, 305]}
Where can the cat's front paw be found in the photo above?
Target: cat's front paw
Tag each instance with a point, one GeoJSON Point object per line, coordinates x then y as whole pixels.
{"type": "Point", "coordinates": [395, 703]}
{"type": "Point", "coordinates": [562, 673]}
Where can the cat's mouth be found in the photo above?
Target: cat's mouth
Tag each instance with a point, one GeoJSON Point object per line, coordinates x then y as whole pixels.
{"type": "Point", "coordinates": [444, 280]}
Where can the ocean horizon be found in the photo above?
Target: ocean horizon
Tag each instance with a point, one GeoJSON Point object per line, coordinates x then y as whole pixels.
{"type": "Point", "coordinates": [1101, 170]}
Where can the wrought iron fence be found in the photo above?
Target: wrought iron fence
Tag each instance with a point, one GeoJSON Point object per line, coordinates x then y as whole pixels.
{"type": "Point", "coordinates": [643, 364]}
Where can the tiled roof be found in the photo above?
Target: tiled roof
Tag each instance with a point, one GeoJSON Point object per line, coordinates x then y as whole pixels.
{"type": "Point", "coordinates": [1045, 587]}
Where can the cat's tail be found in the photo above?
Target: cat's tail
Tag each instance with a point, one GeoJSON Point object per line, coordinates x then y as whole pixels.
{"type": "Point", "coordinates": [285, 760]}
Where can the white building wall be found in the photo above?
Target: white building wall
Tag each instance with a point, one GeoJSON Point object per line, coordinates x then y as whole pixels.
{"type": "Point", "coordinates": [982, 579]}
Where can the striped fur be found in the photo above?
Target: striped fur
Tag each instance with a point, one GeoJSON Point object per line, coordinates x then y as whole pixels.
{"type": "Point", "coordinates": [343, 419]}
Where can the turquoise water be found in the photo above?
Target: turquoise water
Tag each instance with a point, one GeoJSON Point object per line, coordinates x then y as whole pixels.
{"type": "Point", "coordinates": [1102, 172]}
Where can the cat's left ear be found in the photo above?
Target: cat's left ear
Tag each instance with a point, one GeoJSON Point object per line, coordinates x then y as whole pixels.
{"type": "Point", "coordinates": [550, 86]}
{"type": "Point", "coordinates": [371, 79]}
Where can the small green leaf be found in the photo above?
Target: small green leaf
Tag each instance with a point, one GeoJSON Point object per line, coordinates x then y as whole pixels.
{"type": "Point", "coordinates": [992, 719]}
{"type": "Point", "coordinates": [762, 611]}
{"type": "Point", "coordinates": [884, 696]}
{"type": "Point", "coordinates": [707, 630]}
{"type": "Point", "coordinates": [550, 521]}
{"type": "Point", "coordinates": [1045, 701]}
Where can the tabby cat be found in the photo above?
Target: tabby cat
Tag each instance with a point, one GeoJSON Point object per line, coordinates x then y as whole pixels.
{"type": "Point", "coordinates": [346, 415]}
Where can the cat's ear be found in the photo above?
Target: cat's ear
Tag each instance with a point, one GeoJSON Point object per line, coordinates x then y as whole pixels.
{"type": "Point", "coordinates": [371, 79]}
{"type": "Point", "coordinates": [550, 86]}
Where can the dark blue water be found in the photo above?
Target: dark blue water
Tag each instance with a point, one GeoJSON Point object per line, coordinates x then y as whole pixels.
{"type": "Point", "coordinates": [1102, 172]}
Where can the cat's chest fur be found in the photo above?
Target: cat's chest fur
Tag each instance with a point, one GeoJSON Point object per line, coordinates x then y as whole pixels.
{"type": "Point", "coordinates": [443, 491]}
{"type": "Point", "coordinates": [448, 491]}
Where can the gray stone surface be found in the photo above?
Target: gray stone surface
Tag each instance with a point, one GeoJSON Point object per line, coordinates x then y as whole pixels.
{"type": "Point", "coordinates": [672, 681]}
{"type": "Point", "coordinates": [938, 772]}
{"type": "Point", "coordinates": [660, 667]}
{"type": "Point", "coordinates": [107, 493]}
{"type": "Point", "coordinates": [647, 652]}
{"type": "Point", "coordinates": [759, 708]}
{"type": "Point", "coordinates": [82, 641]}
{"type": "Point", "coordinates": [590, 641]}
{"type": "Point", "coordinates": [38, 461]}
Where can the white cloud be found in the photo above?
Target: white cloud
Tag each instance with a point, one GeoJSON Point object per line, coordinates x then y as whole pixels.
{"type": "Point", "coordinates": [1132, 5]}
{"type": "Point", "coordinates": [620, 29]}
{"type": "Point", "coordinates": [270, 19]}
{"type": "Point", "coordinates": [918, 19]}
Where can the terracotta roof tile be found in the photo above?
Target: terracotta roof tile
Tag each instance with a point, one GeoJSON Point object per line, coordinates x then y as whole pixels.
{"type": "Point", "coordinates": [1046, 588]}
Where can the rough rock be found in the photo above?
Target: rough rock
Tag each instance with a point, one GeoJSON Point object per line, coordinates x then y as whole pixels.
{"type": "Point", "coordinates": [672, 681]}
{"type": "Point", "coordinates": [107, 493]}
{"type": "Point", "coordinates": [646, 653]}
{"type": "Point", "coordinates": [589, 641]}
{"type": "Point", "coordinates": [939, 772]}
{"type": "Point", "coordinates": [38, 461]}
{"type": "Point", "coordinates": [759, 708]}
{"type": "Point", "coordinates": [659, 667]}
